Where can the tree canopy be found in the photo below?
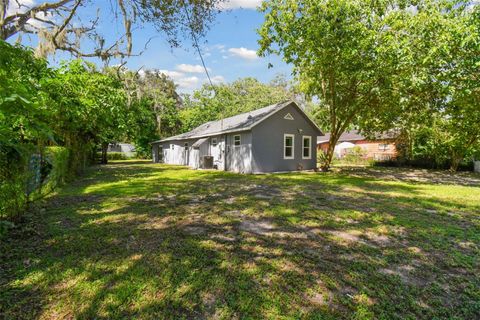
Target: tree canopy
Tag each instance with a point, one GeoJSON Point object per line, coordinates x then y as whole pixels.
{"type": "Point", "coordinates": [380, 65]}
{"type": "Point", "coordinates": [73, 25]}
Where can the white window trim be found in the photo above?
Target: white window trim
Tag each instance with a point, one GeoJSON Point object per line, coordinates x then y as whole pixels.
{"type": "Point", "coordinates": [285, 145]}
{"type": "Point", "coordinates": [309, 147]}
{"type": "Point", "coordinates": [172, 146]}
{"type": "Point", "coordinates": [214, 142]}
{"type": "Point", "coordinates": [239, 140]}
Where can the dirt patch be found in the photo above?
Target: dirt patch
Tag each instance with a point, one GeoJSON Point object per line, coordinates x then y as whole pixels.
{"type": "Point", "coordinates": [260, 227]}
{"type": "Point", "coordinates": [195, 230]}
{"type": "Point", "coordinates": [405, 273]}
{"type": "Point", "coordinates": [415, 175]}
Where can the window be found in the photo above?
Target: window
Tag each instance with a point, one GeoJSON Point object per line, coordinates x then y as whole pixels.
{"type": "Point", "coordinates": [383, 147]}
{"type": "Point", "coordinates": [236, 140]}
{"type": "Point", "coordinates": [185, 145]}
{"type": "Point", "coordinates": [288, 146]}
{"type": "Point", "coordinates": [214, 142]}
{"type": "Point", "coordinates": [307, 147]}
{"type": "Point", "coordinates": [288, 116]}
{"type": "Point", "coordinates": [172, 146]}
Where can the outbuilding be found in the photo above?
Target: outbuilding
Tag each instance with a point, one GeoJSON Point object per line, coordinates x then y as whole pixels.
{"type": "Point", "coordinates": [276, 138]}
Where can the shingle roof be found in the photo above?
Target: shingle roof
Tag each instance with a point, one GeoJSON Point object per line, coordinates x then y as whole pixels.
{"type": "Point", "coordinates": [241, 122]}
{"type": "Point", "coordinates": [354, 135]}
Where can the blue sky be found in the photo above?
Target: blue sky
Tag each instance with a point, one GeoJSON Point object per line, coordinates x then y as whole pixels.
{"type": "Point", "coordinates": [228, 48]}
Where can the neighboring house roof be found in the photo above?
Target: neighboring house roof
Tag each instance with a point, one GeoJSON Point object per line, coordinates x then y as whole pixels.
{"type": "Point", "coordinates": [241, 122]}
{"type": "Point", "coordinates": [354, 135]}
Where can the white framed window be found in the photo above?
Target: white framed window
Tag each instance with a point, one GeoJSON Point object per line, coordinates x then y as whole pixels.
{"type": "Point", "coordinates": [214, 142]}
{"type": "Point", "coordinates": [236, 140]}
{"type": "Point", "coordinates": [185, 146]}
{"type": "Point", "coordinates": [383, 147]}
{"type": "Point", "coordinates": [172, 146]}
{"type": "Point", "coordinates": [288, 146]}
{"type": "Point", "coordinates": [306, 147]}
{"type": "Point", "coordinates": [288, 116]}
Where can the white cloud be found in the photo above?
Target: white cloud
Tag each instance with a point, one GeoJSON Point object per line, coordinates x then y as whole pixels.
{"type": "Point", "coordinates": [188, 83]}
{"type": "Point", "coordinates": [21, 6]}
{"type": "Point", "coordinates": [172, 74]}
{"type": "Point", "coordinates": [236, 4]}
{"type": "Point", "coordinates": [190, 68]}
{"type": "Point", "coordinates": [218, 79]}
{"type": "Point", "coordinates": [220, 47]}
{"type": "Point", "coordinates": [18, 6]}
{"type": "Point", "coordinates": [243, 53]}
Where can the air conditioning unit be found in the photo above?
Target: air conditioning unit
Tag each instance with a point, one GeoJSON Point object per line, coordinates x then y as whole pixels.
{"type": "Point", "coordinates": [208, 162]}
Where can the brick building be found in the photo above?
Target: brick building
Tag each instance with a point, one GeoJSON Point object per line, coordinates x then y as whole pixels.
{"type": "Point", "coordinates": [380, 147]}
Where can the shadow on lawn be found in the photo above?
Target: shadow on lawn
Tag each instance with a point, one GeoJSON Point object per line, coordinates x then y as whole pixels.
{"type": "Point", "coordinates": [132, 240]}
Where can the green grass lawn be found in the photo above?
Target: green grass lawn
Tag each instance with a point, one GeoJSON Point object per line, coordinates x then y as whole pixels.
{"type": "Point", "coordinates": [141, 240]}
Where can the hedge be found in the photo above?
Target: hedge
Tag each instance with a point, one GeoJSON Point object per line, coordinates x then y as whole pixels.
{"type": "Point", "coordinates": [26, 176]}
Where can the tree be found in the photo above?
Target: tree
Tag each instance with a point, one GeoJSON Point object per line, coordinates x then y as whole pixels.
{"type": "Point", "coordinates": [64, 24]}
{"type": "Point", "coordinates": [438, 88]}
{"type": "Point", "coordinates": [24, 115]}
{"type": "Point", "coordinates": [161, 91]}
{"type": "Point", "coordinates": [461, 75]}
{"type": "Point", "coordinates": [229, 99]}
{"type": "Point", "coordinates": [90, 109]}
{"type": "Point", "coordinates": [338, 52]}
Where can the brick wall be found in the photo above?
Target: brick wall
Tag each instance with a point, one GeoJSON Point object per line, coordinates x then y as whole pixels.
{"type": "Point", "coordinates": [378, 150]}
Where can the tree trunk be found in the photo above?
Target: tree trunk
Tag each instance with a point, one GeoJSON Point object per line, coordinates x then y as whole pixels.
{"type": "Point", "coordinates": [331, 148]}
{"type": "Point", "coordinates": [456, 159]}
{"type": "Point", "coordinates": [104, 153]}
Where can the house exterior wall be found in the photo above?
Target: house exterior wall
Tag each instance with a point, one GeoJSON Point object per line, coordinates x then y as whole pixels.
{"type": "Point", "coordinates": [239, 158]}
{"type": "Point", "coordinates": [175, 154]}
{"type": "Point", "coordinates": [374, 151]}
{"type": "Point", "coordinates": [218, 151]}
{"type": "Point", "coordinates": [268, 142]}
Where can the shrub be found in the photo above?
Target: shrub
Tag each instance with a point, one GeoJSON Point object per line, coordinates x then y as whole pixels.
{"type": "Point", "coordinates": [55, 168]}
{"type": "Point", "coordinates": [26, 176]}
{"type": "Point", "coordinates": [13, 181]}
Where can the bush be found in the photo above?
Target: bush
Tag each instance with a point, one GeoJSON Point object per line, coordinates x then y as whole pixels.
{"type": "Point", "coordinates": [423, 163]}
{"type": "Point", "coordinates": [13, 182]}
{"type": "Point", "coordinates": [25, 176]}
{"type": "Point", "coordinates": [57, 159]}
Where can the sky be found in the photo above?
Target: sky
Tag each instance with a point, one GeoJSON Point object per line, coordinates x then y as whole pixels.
{"type": "Point", "coordinates": [229, 48]}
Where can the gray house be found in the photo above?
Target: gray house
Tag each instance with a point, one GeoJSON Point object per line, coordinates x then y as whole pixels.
{"type": "Point", "coordinates": [280, 137]}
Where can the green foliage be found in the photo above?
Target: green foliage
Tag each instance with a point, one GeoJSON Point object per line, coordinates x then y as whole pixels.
{"type": "Point", "coordinates": [379, 65]}
{"type": "Point", "coordinates": [13, 179]}
{"type": "Point", "coordinates": [58, 158]}
{"type": "Point", "coordinates": [339, 55]}
{"type": "Point", "coordinates": [74, 106]}
{"type": "Point", "coordinates": [437, 84]}
{"type": "Point", "coordinates": [229, 99]}
{"type": "Point", "coordinates": [153, 108]}
{"type": "Point", "coordinates": [24, 108]}
{"type": "Point", "coordinates": [355, 155]}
